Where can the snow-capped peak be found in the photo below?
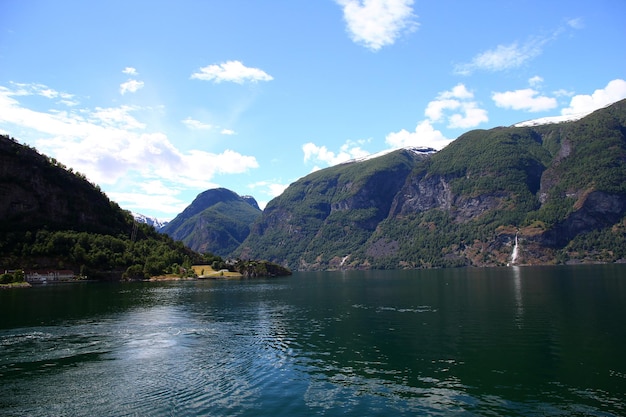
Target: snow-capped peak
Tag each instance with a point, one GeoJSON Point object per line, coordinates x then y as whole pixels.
{"type": "Point", "coordinates": [552, 119]}
{"type": "Point", "coordinates": [152, 221]}
{"type": "Point", "coordinates": [420, 150]}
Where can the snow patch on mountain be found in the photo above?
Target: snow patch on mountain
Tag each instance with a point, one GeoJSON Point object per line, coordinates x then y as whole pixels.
{"type": "Point", "coordinates": [551, 120]}
{"type": "Point", "coordinates": [417, 150]}
{"type": "Point", "coordinates": [152, 221]}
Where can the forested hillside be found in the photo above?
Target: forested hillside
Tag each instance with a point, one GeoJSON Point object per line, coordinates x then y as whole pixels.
{"type": "Point", "coordinates": [53, 218]}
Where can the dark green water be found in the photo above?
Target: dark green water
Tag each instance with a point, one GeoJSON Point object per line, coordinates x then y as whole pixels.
{"type": "Point", "coordinates": [486, 342]}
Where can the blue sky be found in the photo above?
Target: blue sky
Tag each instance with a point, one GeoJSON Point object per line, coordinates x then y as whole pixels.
{"type": "Point", "coordinates": [157, 101]}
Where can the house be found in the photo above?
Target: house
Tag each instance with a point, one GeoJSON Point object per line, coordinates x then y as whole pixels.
{"type": "Point", "coordinates": [53, 275]}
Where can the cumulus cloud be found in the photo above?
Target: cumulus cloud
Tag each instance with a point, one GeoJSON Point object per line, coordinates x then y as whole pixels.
{"type": "Point", "coordinates": [130, 71]}
{"type": "Point", "coordinates": [526, 99]}
{"type": "Point", "coordinates": [228, 132]}
{"type": "Point", "coordinates": [232, 71]}
{"type": "Point", "coordinates": [614, 91]}
{"type": "Point", "coordinates": [130, 86]}
{"type": "Point", "coordinates": [321, 154]}
{"type": "Point", "coordinates": [457, 107]}
{"type": "Point", "coordinates": [424, 135]}
{"type": "Point", "coordinates": [110, 146]}
{"type": "Point", "coordinates": [471, 116]}
{"type": "Point", "coordinates": [377, 23]}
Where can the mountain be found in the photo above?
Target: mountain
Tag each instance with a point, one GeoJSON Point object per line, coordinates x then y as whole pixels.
{"type": "Point", "coordinates": [558, 189]}
{"type": "Point", "coordinates": [216, 222]}
{"type": "Point", "coordinates": [152, 221]}
{"type": "Point", "coordinates": [330, 213]}
{"type": "Point", "coordinates": [38, 191]}
{"type": "Point", "coordinates": [52, 218]}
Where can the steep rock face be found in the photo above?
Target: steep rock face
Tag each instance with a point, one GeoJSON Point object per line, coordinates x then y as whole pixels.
{"type": "Point", "coordinates": [597, 210]}
{"type": "Point", "coordinates": [422, 193]}
{"type": "Point", "coordinates": [217, 221]}
{"type": "Point", "coordinates": [560, 189]}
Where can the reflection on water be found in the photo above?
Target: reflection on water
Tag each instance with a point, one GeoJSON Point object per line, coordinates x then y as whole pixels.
{"type": "Point", "coordinates": [517, 281]}
{"type": "Point", "coordinates": [510, 341]}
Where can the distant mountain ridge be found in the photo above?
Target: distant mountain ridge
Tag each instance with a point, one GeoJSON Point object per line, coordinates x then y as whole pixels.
{"type": "Point", "coordinates": [559, 187]}
{"type": "Point", "coordinates": [217, 221]}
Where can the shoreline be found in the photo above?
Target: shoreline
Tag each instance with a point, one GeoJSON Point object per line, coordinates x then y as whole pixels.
{"type": "Point", "coordinates": [12, 285]}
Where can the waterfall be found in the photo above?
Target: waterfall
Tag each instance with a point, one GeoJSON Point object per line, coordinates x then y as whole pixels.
{"type": "Point", "coordinates": [515, 252]}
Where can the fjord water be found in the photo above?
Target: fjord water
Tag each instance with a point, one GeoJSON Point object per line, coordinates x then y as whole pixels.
{"type": "Point", "coordinates": [506, 341]}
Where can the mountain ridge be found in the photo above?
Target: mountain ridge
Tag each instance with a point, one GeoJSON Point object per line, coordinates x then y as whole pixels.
{"type": "Point", "coordinates": [557, 186]}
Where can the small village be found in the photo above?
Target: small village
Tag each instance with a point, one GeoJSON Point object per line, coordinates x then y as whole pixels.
{"type": "Point", "coordinates": [42, 276]}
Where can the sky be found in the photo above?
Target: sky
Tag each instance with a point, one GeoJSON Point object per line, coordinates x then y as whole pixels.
{"type": "Point", "coordinates": [157, 101]}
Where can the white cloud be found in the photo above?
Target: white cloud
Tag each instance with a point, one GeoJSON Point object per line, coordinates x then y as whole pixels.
{"type": "Point", "coordinates": [576, 23]}
{"type": "Point", "coordinates": [140, 202]}
{"type": "Point", "coordinates": [455, 106]}
{"type": "Point", "coordinates": [118, 117]}
{"type": "Point", "coordinates": [423, 136]}
{"type": "Point", "coordinates": [465, 112]}
{"type": "Point", "coordinates": [130, 71]}
{"type": "Point", "coordinates": [436, 108]}
{"type": "Point", "coordinates": [42, 90]}
{"type": "Point", "coordinates": [321, 154]}
{"type": "Point", "coordinates": [563, 93]}
{"type": "Point", "coordinates": [471, 116]}
{"type": "Point", "coordinates": [526, 99]}
{"type": "Point", "coordinates": [377, 23]}
{"type": "Point", "coordinates": [503, 57]}
{"type": "Point", "coordinates": [458, 91]}
{"type": "Point", "coordinates": [196, 124]}
{"type": "Point", "coordinates": [233, 71]}
{"type": "Point", "coordinates": [270, 189]}
{"type": "Point", "coordinates": [614, 91]}
{"type": "Point", "coordinates": [228, 132]}
{"type": "Point", "coordinates": [130, 86]}
{"type": "Point", "coordinates": [108, 146]}
{"type": "Point", "coordinates": [535, 81]}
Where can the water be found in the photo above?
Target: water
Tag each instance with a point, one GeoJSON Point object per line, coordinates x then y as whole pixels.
{"type": "Point", "coordinates": [486, 342]}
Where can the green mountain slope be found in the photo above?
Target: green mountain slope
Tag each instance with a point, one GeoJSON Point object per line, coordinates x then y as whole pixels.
{"type": "Point", "coordinates": [53, 218]}
{"type": "Point", "coordinates": [217, 221]}
{"type": "Point", "coordinates": [329, 213]}
{"type": "Point", "coordinates": [561, 188]}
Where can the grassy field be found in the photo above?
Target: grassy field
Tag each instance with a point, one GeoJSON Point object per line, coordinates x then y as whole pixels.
{"type": "Point", "coordinates": [205, 271]}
